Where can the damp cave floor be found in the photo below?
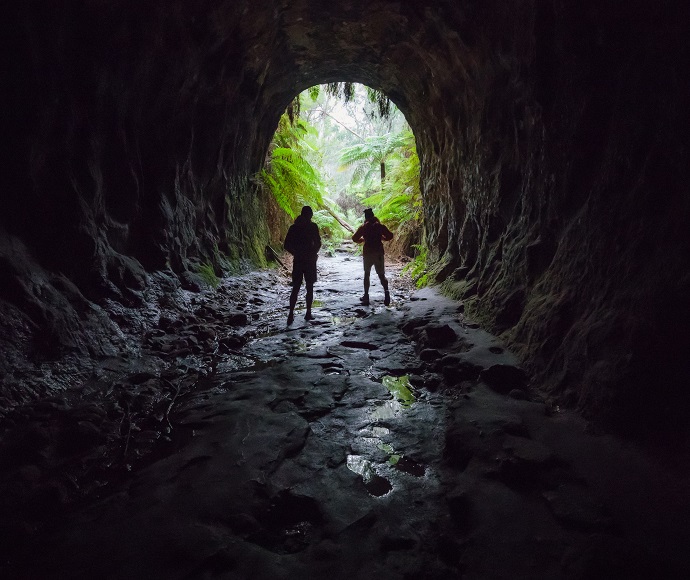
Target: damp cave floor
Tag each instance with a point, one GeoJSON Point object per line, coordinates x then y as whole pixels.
{"type": "Point", "coordinates": [330, 449]}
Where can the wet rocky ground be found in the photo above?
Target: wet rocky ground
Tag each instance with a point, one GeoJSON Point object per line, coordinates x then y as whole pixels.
{"type": "Point", "coordinates": [382, 442]}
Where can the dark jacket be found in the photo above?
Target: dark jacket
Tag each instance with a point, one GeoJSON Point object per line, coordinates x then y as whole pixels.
{"type": "Point", "coordinates": [374, 233]}
{"type": "Point", "coordinates": [303, 240]}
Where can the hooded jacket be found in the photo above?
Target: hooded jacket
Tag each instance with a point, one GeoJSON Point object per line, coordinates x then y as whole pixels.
{"type": "Point", "coordinates": [374, 233]}
{"type": "Point", "coordinates": [303, 240]}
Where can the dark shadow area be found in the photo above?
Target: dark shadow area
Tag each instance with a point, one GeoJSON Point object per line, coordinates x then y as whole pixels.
{"type": "Point", "coordinates": [139, 353]}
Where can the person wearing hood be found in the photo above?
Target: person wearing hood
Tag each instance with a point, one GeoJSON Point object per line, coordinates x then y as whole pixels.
{"type": "Point", "coordinates": [373, 233]}
{"type": "Point", "coordinates": [303, 242]}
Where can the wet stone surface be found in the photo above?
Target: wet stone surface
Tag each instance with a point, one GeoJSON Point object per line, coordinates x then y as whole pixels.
{"type": "Point", "coordinates": [372, 442]}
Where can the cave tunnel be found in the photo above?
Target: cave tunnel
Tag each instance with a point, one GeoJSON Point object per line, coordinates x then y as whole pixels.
{"type": "Point", "coordinates": [553, 147]}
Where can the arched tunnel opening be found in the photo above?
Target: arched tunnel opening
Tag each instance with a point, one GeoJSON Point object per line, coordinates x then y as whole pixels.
{"type": "Point", "coordinates": [340, 148]}
{"type": "Point", "coordinates": [138, 322]}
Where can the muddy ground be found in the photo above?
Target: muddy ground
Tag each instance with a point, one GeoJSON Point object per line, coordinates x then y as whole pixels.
{"type": "Point", "coordinates": [373, 442]}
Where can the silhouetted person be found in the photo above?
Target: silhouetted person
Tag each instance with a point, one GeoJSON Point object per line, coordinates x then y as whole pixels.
{"type": "Point", "coordinates": [373, 233]}
{"type": "Point", "coordinates": [303, 242]}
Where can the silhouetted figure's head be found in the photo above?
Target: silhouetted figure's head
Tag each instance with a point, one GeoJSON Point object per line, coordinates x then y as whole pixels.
{"type": "Point", "coordinates": [368, 214]}
{"type": "Point", "coordinates": [307, 212]}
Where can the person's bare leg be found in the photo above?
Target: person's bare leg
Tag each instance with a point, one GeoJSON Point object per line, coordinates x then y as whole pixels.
{"type": "Point", "coordinates": [310, 299]}
{"type": "Point", "coordinates": [293, 302]}
{"type": "Point", "coordinates": [367, 274]}
{"type": "Point", "coordinates": [381, 271]}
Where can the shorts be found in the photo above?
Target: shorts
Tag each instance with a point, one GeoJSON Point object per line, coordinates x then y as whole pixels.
{"type": "Point", "coordinates": [303, 269]}
{"type": "Point", "coordinates": [376, 260]}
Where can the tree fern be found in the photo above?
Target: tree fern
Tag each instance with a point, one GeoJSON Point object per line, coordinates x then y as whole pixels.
{"type": "Point", "coordinates": [288, 172]}
{"type": "Point", "coordinates": [374, 152]}
{"type": "Point", "coordinates": [399, 202]}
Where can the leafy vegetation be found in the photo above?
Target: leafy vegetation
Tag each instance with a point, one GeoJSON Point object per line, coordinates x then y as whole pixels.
{"type": "Point", "coordinates": [370, 156]}
{"type": "Point", "coordinates": [340, 148]}
{"type": "Point", "coordinates": [417, 268]}
{"type": "Point", "coordinates": [289, 173]}
{"type": "Point", "coordinates": [208, 274]}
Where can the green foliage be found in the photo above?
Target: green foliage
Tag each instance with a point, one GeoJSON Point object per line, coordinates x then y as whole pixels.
{"type": "Point", "coordinates": [346, 91]}
{"type": "Point", "coordinates": [417, 268]}
{"type": "Point", "coordinates": [208, 274]}
{"type": "Point", "coordinates": [332, 233]}
{"type": "Point", "coordinates": [399, 203]}
{"type": "Point", "coordinates": [289, 173]}
{"type": "Point", "coordinates": [367, 136]}
{"type": "Point", "coordinates": [313, 92]}
{"type": "Point", "coordinates": [370, 156]}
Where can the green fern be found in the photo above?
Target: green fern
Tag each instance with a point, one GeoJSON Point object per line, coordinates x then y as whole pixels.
{"type": "Point", "coordinates": [288, 172]}
{"type": "Point", "coordinates": [370, 156]}
{"type": "Point", "coordinates": [417, 267]}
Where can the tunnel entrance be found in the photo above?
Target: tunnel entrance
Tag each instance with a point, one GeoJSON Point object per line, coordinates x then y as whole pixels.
{"type": "Point", "coordinates": [553, 159]}
{"type": "Point", "coordinates": [340, 148]}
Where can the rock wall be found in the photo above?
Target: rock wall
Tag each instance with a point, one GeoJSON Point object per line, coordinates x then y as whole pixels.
{"type": "Point", "coordinates": [551, 134]}
{"type": "Point", "coordinates": [564, 224]}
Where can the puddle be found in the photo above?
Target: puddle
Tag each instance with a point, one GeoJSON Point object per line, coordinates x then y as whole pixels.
{"type": "Point", "coordinates": [387, 410]}
{"type": "Point", "coordinates": [339, 320]}
{"type": "Point", "coordinates": [400, 388]}
{"type": "Point", "coordinates": [403, 398]}
{"type": "Point", "coordinates": [385, 447]}
{"type": "Point", "coordinates": [407, 465]}
{"type": "Point", "coordinates": [373, 482]}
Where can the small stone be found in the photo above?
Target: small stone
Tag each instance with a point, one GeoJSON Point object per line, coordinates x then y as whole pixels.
{"type": "Point", "coordinates": [463, 371]}
{"type": "Point", "coordinates": [429, 355]}
{"type": "Point", "coordinates": [503, 378]}
{"type": "Point", "coordinates": [438, 335]}
{"type": "Point", "coordinates": [518, 394]}
{"type": "Point", "coordinates": [237, 319]}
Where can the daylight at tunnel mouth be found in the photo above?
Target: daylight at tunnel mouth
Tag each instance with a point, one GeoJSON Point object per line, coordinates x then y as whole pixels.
{"type": "Point", "coordinates": [524, 375]}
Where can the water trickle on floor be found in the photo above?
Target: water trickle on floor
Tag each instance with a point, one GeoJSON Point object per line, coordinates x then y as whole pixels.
{"type": "Point", "coordinates": [403, 400]}
{"type": "Point", "coordinates": [401, 389]}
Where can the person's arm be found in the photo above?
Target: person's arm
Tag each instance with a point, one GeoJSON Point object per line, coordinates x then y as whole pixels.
{"type": "Point", "coordinates": [386, 234]}
{"type": "Point", "coordinates": [357, 236]}
{"type": "Point", "coordinates": [288, 244]}
{"type": "Point", "coordinates": [317, 239]}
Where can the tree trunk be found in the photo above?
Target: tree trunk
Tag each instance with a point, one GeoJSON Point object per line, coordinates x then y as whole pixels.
{"type": "Point", "coordinates": [347, 226]}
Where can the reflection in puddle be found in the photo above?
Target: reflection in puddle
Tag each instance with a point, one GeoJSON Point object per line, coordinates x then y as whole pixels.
{"type": "Point", "coordinates": [407, 465]}
{"type": "Point", "coordinates": [337, 320]}
{"type": "Point", "coordinates": [373, 482]}
{"type": "Point", "coordinates": [387, 410]}
{"type": "Point", "coordinates": [399, 387]}
{"type": "Point", "coordinates": [385, 447]}
{"type": "Point", "coordinates": [403, 399]}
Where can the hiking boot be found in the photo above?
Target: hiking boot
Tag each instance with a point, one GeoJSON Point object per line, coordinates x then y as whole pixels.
{"type": "Point", "coordinates": [387, 298]}
{"type": "Point", "coordinates": [309, 316]}
{"type": "Point", "coordinates": [365, 300]}
{"type": "Point", "coordinates": [291, 318]}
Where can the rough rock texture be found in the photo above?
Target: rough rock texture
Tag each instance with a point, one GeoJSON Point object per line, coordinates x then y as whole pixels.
{"type": "Point", "coordinates": [552, 137]}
